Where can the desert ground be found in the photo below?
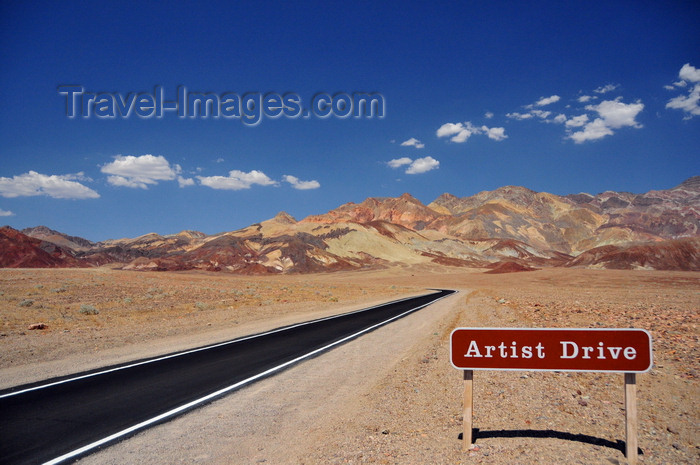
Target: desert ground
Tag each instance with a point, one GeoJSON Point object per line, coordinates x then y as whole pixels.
{"type": "Point", "coordinates": [389, 397]}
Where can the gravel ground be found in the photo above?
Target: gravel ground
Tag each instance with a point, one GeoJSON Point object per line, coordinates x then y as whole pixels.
{"type": "Point", "coordinates": [392, 396]}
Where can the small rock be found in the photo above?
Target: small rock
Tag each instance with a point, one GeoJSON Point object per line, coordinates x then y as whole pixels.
{"type": "Point", "coordinates": [582, 403]}
{"type": "Point", "coordinates": [677, 446]}
{"type": "Point", "coordinates": [386, 431]}
{"type": "Point", "coordinates": [671, 430]}
{"type": "Point", "coordinates": [37, 326]}
{"type": "Point", "coordinates": [502, 301]}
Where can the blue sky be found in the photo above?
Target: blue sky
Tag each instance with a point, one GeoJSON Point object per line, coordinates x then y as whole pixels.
{"type": "Point", "coordinates": [561, 97]}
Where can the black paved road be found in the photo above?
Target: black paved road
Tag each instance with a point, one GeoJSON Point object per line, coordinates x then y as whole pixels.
{"type": "Point", "coordinates": [40, 423]}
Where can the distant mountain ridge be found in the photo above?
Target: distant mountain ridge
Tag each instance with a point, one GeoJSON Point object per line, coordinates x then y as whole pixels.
{"type": "Point", "coordinates": [510, 228]}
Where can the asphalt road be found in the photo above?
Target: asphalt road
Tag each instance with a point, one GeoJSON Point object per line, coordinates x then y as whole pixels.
{"type": "Point", "coordinates": [59, 420]}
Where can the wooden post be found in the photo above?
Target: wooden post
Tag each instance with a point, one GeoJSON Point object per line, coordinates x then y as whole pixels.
{"type": "Point", "coordinates": [468, 409]}
{"type": "Point", "coordinates": [631, 417]}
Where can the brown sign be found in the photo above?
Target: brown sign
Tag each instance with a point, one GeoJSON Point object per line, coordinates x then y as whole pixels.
{"type": "Point", "coordinates": [551, 349]}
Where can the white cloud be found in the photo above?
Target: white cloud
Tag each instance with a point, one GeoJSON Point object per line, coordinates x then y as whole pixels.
{"type": "Point", "coordinates": [617, 114]}
{"type": "Point", "coordinates": [533, 112]}
{"type": "Point", "coordinates": [541, 113]}
{"type": "Point", "coordinates": [300, 185]}
{"type": "Point", "coordinates": [689, 73]}
{"type": "Point", "coordinates": [418, 166]}
{"type": "Point", "coordinates": [594, 130]}
{"type": "Point", "coordinates": [397, 162]}
{"type": "Point", "coordinates": [460, 132]}
{"type": "Point", "coordinates": [497, 134]}
{"type": "Point", "coordinates": [612, 114]}
{"type": "Point", "coordinates": [607, 88]}
{"type": "Point", "coordinates": [184, 182]}
{"type": "Point", "coordinates": [560, 118]}
{"type": "Point", "coordinates": [6, 213]}
{"type": "Point", "coordinates": [519, 116]}
{"type": "Point", "coordinates": [547, 100]}
{"type": "Point", "coordinates": [236, 180]}
{"type": "Point", "coordinates": [488, 115]}
{"type": "Point", "coordinates": [423, 165]}
{"type": "Point", "coordinates": [413, 142]}
{"type": "Point", "coordinates": [584, 98]}
{"type": "Point", "coordinates": [577, 121]}
{"type": "Point", "coordinates": [139, 172]}
{"type": "Point", "coordinates": [56, 186]}
{"type": "Point", "coordinates": [690, 103]}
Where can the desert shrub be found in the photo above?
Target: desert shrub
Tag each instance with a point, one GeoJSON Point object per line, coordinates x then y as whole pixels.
{"type": "Point", "coordinates": [201, 305]}
{"type": "Point", "coordinates": [26, 303]}
{"type": "Point", "coordinates": [86, 309]}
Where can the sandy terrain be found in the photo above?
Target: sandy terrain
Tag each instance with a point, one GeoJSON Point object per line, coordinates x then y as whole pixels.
{"type": "Point", "coordinates": [389, 397]}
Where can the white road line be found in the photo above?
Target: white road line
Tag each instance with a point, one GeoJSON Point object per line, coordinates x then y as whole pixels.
{"type": "Point", "coordinates": [220, 392]}
{"type": "Point", "coordinates": [178, 354]}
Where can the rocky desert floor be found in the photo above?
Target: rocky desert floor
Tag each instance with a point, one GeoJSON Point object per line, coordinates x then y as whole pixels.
{"type": "Point", "coordinates": [389, 397]}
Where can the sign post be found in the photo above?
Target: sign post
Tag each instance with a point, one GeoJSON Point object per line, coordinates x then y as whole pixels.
{"type": "Point", "coordinates": [468, 409]}
{"type": "Point", "coordinates": [625, 351]}
{"type": "Point", "coordinates": [631, 417]}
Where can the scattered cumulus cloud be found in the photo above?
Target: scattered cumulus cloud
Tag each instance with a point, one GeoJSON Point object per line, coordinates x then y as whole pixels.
{"type": "Point", "coordinates": [237, 180]}
{"type": "Point", "coordinates": [592, 122]}
{"type": "Point", "coordinates": [594, 130]}
{"type": "Point", "coordinates": [689, 73]}
{"type": "Point", "coordinates": [6, 213]}
{"type": "Point", "coordinates": [417, 166]}
{"type": "Point", "coordinates": [457, 131]}
{"type": "Point", "coordinates": [184, 182]}
{"type": "Point", "coordinates": [460, 132]}
{"type": "Point", "coordinates": [690, 102]}
{"type": "Point", "coordinates": [612, 114]}
{"type": "Point", "coordinates": [423, 165]}
{"type": "Point", "coordinates": [534, 112]}
{"type": "Point", "coordinates": [64, 186]}
{"type": "Point", "coordinates": [398, 162]}
{"type": "Point", "coordinates": [139, 172]}
{"type": "Point", "coordinates": [541, 113]}
{"type": "Point", "coordinates": [577, 121]}
{"type": "Point", "coordinates": [300, 185]}
{"type": "Point", "coordinates": [413, 142]}
{"type": "Point", "coordinates": [496, 134]}
{"type": "Point", "coordinates": [617, 114]}
{"type": "Point", "coordinates": [488, 115]}
{"type": "Point", "coordinates": [547, 100]}
{"type": "Point", "coordinates": [606, 88]}
{"type": "Point", "coordinates": [519, 116]}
